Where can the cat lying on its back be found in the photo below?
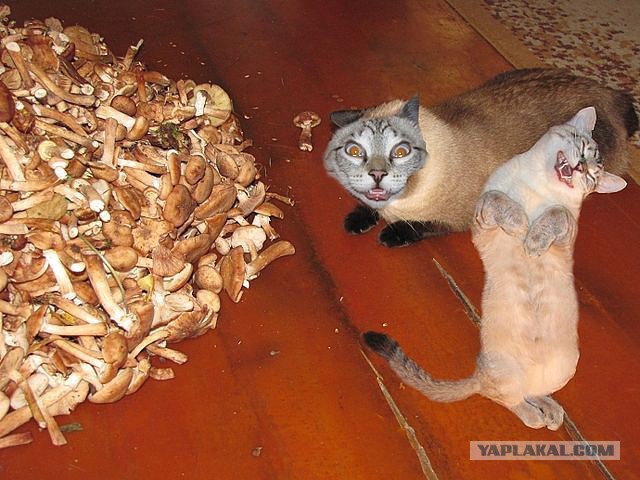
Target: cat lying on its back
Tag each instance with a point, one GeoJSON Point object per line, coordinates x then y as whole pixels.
{"type": "Point", "coordinates": [524, 229]}
{"type": "Point", "coordinates": [379, 154]}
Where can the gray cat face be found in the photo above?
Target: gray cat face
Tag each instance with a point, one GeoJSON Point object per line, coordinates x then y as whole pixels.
{"type": "Point", "coordinates": [577, 161]}
{"type": "Point", "coordinates": [374, 157]}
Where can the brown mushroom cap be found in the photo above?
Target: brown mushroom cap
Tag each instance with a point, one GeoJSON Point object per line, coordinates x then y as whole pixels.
{"type": "Point", "coordinates": [306, 119]}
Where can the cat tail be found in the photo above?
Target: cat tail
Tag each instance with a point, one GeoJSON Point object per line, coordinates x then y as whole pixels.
{"type": "Point", "coordinates": [413, 375]}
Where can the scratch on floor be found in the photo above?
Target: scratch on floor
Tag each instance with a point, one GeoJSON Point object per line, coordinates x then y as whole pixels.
{"type": "Point", "coordinates": [425, 464]}
{"type": "Point", "coordinates": [471, 311]}
{"type": "Point", "coordinates": [469, 308]}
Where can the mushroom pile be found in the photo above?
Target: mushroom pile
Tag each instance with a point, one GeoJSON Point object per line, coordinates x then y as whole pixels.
{"type": "Point", "coordinates": [128, 204]}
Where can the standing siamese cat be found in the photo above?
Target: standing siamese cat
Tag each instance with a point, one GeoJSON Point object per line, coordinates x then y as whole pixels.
{"type": "Point", "coordinates": [422, 169]}
{"type": "Point", "coordinates": [524, 229]}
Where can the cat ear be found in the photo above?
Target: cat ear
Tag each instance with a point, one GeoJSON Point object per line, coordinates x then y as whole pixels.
{"type": "Point", "coordinates": [609, 183]}
{"type": "Point", "coordinates": [585, 119]}
{"type": "Point", "coordinates": [411, 109]}
{"type": "Point", "coordinates": [342, 118]}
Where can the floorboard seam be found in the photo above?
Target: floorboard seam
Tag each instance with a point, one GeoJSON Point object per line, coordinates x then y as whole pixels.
{"type": "Point", "coordinates": [471, 311]}
{"type": "Point", "coordinates": [423, 458]}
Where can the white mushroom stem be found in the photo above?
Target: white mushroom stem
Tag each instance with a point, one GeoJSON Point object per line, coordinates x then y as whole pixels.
{"type": "Point", "coordinates": [11, 161]}
{"type": "Point", "coordinates": [105, 112]}
{"type": "Point", "coordinates": [19, 417]}
{"type": "Point", "coordinates": [168, 353]}
{"type": "Point", "coordinates": [143, 177]}
{"type": "Point", "coordinates": [87, 329]}
{"type": "Point", "coordinates": [13, 228]}
{"type": "Point", "coordinates": [69, 193]}
{"type": "Point", "coordinates": [98, 279]}
{"type": "Point", "coordinates": [51, 86]}
{"type": "Point", "coordinates": [66, 134]}
{"type": "Point", "coordinates": [108, 152]}
{"type": "Point", "coordinates": [62, 277]}
{"type": "Point", "coordinates": [32, 200]}
{"type": "Point", "coordinates": [96, 203]}
{"type": "Point", "coordinates": [15, 52]}
{"type": "Point", "coordinates": [16, 439]}
{"type": "Point", "coordinates": [87, 356]}
{"type": "Point", "coordinates": [268, 255]}
{"type": "Point", "coordinates": [156, 336]}
{"type": "Point", "coordinates": [74, 310]}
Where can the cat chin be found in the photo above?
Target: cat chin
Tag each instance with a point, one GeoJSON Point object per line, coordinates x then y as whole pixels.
{"type": "Point", "coordinates": [375, 204]}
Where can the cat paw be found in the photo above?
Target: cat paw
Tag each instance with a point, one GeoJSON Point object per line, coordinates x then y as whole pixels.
{"type": "Point", "coordinates": [555, 225]}
{"type": "Point", "coordinates": [400, 234]}
{"type": "Point", "coordinates": [552, 411]}
{"type": "Point", "coordinates": [360, 220]}
{"type": "Point", "coordinates": [496, 209]}
{"type": "Point", "coordinates": [530, 414]}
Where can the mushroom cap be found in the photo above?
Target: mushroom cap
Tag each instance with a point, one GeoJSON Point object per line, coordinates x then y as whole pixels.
{"type": "Point", "coordinates": [306, 119]}
{"type": "Point", "coordinates": [165, 262]}
{"type": "Point", "coordinates": [248, 237]}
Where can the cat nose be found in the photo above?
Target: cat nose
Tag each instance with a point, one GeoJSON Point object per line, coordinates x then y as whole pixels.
{"type": "Point", "coordinates": [377, 175]}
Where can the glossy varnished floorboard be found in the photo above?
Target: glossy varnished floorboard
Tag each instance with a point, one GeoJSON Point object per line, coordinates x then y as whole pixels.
{"type": "Point", "coordinates": [283, 374]}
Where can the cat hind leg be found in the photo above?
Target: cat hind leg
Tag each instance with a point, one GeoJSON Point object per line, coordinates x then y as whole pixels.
{"type": "Point", "coordinates": [530, 415]}
{"type": "Point", "coordinates": [552, 411]}
{"type": "Point", "coordinates": [496, 209]}
{"type": "Point", "coordinates": [555, 225]}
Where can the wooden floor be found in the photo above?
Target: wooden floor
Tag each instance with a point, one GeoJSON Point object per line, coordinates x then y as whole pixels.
{"type": "Point", "coordinates": [281, 390]}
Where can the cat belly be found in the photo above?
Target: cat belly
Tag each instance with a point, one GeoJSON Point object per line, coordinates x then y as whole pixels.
{"type": "Point", "coordinates": [552, 373]}
{"type": "Point", "coordinates": [529, 319]}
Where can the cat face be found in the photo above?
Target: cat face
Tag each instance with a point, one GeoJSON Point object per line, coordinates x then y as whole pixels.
{"type": "Point", "coordinates": [374, 157]}
{"type": "Point", "coordinates": [576, 162]}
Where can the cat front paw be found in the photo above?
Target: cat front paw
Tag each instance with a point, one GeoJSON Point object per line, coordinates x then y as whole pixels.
{"type": "Point", "coordinates": [555, 225]}
{"type": "Point", "coordinates": [360, 220]}
{"type": "Point", "coordinates": [401, 234]}
{"type": "Point", "coordinates": [496, 209]}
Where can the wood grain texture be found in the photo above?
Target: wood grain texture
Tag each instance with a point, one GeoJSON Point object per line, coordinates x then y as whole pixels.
{"type": "Point", "coordinates": [283, 370]}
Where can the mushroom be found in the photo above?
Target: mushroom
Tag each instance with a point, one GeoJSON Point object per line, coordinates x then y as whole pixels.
{"type": "Point", "coordinates": [306, 121]}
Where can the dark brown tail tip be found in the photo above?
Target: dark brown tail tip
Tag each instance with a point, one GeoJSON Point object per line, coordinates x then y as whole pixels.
{"type": "Point", "coordinates": [380, 343]}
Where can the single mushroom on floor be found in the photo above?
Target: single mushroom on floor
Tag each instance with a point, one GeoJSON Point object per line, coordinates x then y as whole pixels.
{"type": "Point", "coordinates": [306, 121]}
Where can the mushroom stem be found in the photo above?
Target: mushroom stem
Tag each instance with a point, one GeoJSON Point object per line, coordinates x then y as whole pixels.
{"type": "Point", "coordinates": [74, 310]}
{"type": "Point", "coordinates": [66, 134]}
{"type": "Point", "coordinates": [15, 52]}
{"type": "Point", "coordinates": [11, 161]}
{"type": "Point", "coordinates": [64, 118]}
{"type": "Point", "coordinates": [87, 329]}
{"type": "Point", "coordinates": [16, 439]}
{"type": "Point", "coordinates": [62, 277]}
{"type": "Point", "coordinates": [51, 86]}
{"type": "Point", "coordinates": [19, 417]}
{"type": "Point", "coordinates": [98, 279]}
{"type": "Point", "coordinates": [110, 127]}
{"type": "Point", "coordinates": [87, 356]}
{"type": "Point", "coordinates": [156, 336]}
{"type": "Point", "coordinates": [277, 250]}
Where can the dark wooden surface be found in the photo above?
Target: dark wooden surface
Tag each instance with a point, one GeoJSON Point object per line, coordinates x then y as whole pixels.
{"type": "Point", "coordinates": [314, 409]}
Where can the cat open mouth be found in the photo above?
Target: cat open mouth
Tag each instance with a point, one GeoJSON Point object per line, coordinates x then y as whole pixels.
{"type": "Point", "coordinates": [378, 194]}
{"type": "Point", "coordinates": [565, 170]}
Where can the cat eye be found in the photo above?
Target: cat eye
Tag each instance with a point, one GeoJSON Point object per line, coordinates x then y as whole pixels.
{"type": "Point", "coordinates": [354, 150]}
{"type": "Point", "coordinates": [401, 150]}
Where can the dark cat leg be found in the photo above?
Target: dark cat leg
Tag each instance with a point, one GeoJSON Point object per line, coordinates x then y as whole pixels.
{"type": "Point", "coordinates": [400, 234]}
{"type": "Point", "coordinates": [530, 415]}
{"type": "Point", "coordinates": [496, 209]}
{"type": "Point", "coordinates": [555, 225]}
{"type": "Point", "coordinates": [360, 220]}
{"type": "Point", "coordinates": [552, 411]}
